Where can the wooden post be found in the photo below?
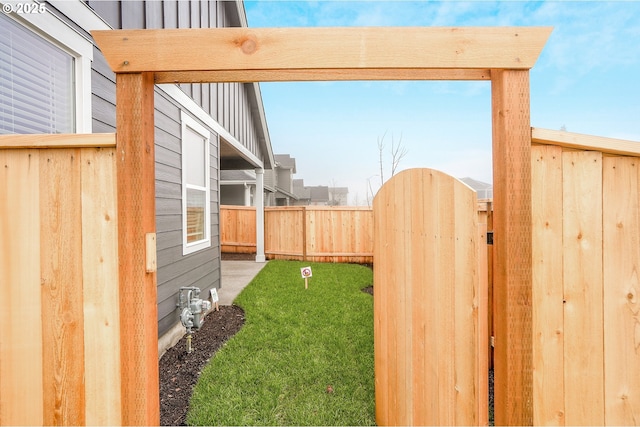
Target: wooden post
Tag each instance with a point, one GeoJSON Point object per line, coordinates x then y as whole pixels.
{"type": "Point", "coordinates": [512, 247]}
{"type": "Point", "coordinates": [304, 233]}
{"type": "Point", "coordinates": [136, 218]}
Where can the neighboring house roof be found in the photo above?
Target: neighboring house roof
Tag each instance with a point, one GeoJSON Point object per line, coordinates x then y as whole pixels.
{"type": "Point", "coordinates": [319, 193]}
{"type": "Point", "coordinates": [339, 191]}
{"type": "Point", "coordinates": [281, 192]}
{"type": "Point", "coordinates": [285, 161]}
{"type": "Point", "coordinates": [313, 194]}
{"type": "Point", "coordinates": [301, 192]}
{"type": "Point", "coordinates": [484, 190]}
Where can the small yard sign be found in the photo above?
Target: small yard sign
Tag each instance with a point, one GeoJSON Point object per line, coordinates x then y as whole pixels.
{"type": "Point", "coordinates": [306, 273]}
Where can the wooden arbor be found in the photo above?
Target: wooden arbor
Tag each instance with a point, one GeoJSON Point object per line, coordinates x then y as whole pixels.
{"type": "Point", "coordinates": [503, 55]}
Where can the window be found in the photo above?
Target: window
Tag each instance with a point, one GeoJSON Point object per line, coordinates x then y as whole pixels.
{"type": "Point", "coordinates": [36, 83]}
{"type": "Point", "coordinates": [45, 74]}
{"type": "Point", "coordinates": [196, 186]}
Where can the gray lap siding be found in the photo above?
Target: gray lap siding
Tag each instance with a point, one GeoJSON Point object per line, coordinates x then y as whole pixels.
{"type": "Point", "coordinates": [202, 268]}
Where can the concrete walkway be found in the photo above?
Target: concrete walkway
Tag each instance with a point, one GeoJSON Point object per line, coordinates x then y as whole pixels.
{"type": "Point", "coordinates": [236, 275]}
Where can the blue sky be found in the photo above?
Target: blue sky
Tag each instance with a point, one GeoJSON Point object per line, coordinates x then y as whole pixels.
{"type": "Point", "coordinates": [586, 80]}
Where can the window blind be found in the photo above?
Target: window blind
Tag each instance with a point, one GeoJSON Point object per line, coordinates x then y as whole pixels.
{"type": "Point", "coordinates": [36, 83]}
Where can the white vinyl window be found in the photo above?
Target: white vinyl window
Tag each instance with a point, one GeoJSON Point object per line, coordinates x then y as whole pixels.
{"type": "Point", "coordinates": [36, 83]}
{"type": "Point", "coordinates": [196, 186]}
{"type": "Point", "coordinates": [45, 74]}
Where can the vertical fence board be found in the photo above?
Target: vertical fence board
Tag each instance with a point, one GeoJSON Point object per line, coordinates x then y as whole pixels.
{"type": "Point", "coordinates": [548, 294]}
{"type": "Point", "coordinates": [425, 343]}
{"type": "Point", "coordinates": [408, 277]}
{"type": "Point", "coordinates": [621, 290]}
{"type": "Point", "coordinates": [466, 288]}
{"type": "Point", "coordinates": [100, 276]}
{"type": "Point", "coordinates": [21, 374]}
{"type": "Point", "coordinates": [381, 321]}
{"type": "Point", "coordinates": [61, 263]}
{"type": "Point", "coordinates": [421, 309]}
{"type": "Point", "coordinates": [446, 259]}
{"type": "Point", "coordinates": [582, 272]}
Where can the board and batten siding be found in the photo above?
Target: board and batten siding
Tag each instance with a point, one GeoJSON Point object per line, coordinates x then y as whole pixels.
{"type": "Point", "coordinates": [228, 103]}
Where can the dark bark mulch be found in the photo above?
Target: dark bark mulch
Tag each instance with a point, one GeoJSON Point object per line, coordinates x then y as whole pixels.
{"type": "Point", "coordinates": [179, 370]}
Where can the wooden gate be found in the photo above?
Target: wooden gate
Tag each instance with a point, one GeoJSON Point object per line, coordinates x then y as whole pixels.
{"type": "Point", "coordinates": [430, 303]}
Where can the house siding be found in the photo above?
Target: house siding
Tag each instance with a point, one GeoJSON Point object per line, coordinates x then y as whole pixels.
{"type": "Point", "coordinates": [228, 103]}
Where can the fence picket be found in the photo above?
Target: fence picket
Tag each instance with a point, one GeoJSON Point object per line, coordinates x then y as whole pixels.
{"type": "Point", "coordinates": [621, 220]}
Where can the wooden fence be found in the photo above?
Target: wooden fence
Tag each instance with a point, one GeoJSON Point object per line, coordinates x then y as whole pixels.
{"type": "Point", "coordinates": [238, 229]}
{"type": "Point", "coordinates": [61, 300]}
{"type": "Point", "coordinates": [585, 305]}
{"type": "Point", "coordinates": [586, 291]}
{"type": "Point", "coordinates": [313, 233]}
{"type": "Point", "coordinates": [60, 327]}
{"type": "Point", "coordinates": [430, 305]}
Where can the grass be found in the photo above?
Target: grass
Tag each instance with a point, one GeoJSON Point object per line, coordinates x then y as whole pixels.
{"type": "Point", "coordinates": [303, 357]}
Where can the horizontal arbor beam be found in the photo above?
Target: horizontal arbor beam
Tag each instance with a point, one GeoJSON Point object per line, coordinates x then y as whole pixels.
{"type": "Point", "coordinates": [341, 74]}
{"type": "Point", "coordinates": [264, 54]}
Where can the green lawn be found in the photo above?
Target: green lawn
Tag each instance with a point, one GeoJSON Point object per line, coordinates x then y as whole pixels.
{"type": "Point", "coordinates": [303, 357]}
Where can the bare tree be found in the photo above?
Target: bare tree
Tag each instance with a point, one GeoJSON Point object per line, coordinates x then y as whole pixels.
{"type": "Point", "coordinates": [370, 192]}
{"type": "Point", "coordinates": [398, 151]}
{"type": "Point", "coordinates": [380, 155]}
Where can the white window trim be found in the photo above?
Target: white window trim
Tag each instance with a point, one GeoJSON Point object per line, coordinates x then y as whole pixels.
{"type": "Point", "coordinates": [51, 28]}
{"type": "Point", "coordinates": [189, 248]}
